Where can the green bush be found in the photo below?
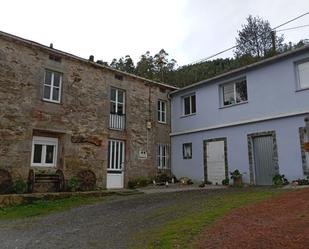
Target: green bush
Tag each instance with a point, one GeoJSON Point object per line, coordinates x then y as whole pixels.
{"type": "Point", "coordinates": [280, 180]}
{"type": "Point", "coordinates": [226, 181]}
{"type": "Point", "coordinates": [132, 184]}
{"type": "Point", "coordinates": [138, 182]}
{"type": "Point", "coordinates": [73, 183]}
{"type": "Point", "coordinates": [19, 186]}
{"type": "Point", "coordinates": [163, 178]}
{"type": "Point", "coordinates": [142, 181]}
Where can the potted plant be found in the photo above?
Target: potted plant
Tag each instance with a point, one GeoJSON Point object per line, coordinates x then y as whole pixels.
{"type": "Point", "coordinates": [236, 176]}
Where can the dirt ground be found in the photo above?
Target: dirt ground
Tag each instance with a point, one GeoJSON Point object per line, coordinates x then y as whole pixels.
{"type": "Point", "coordinates": [281, 222]}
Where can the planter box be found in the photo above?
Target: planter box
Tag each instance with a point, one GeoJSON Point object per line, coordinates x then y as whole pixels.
{"type": "Point", "coordinates": [306, 146]}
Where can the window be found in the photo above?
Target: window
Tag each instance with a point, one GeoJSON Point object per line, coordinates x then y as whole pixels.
{"type": "Point", "coordinates": [44, 151]}
{"type": "Point", "coordinates": [303, 75]}
{"type": "Point", "coordinates": [163, 156]}
{"type": "Point", "coordinates": [189, 105]}
{"type": "Point", "coordinates": [234, 93]}
{"type": "Point", "coordinates": [161, 111]}
{"type": "Point", "coordinates": [116, 156]}
{"type": "Point", "coordinates": [117, 102]}
{"type": "Point", "coordinates": [52, 86]}
{"type": "Point", "coordinates": [187, 151]}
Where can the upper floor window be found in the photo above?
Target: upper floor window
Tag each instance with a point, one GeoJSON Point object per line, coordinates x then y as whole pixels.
{"type": "Point", "coordinates": [234, 92]}
{"type": "Point", "coordinates": [161, 111]}
{"type": "Point", "coordinates": [117, 101]}
{"type": "Point", "coordinates": [189, 105]}
{"type": "Point", "coordinates": [44, 151]}
{"type": "Point", "coordinates": [117, 109]}
{"type": "Point", "coordinates": [303, 75]}
{"type": "Point", "coordinates": [52, 86]}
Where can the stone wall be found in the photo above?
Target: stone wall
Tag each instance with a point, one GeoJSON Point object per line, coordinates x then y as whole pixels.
{"type": "Point", "coordinates": [80, 121]}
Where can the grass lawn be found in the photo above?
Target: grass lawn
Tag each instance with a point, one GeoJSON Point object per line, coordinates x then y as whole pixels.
{"type": "Point", "coordinates": [180, 231]}
{"type": "Point", "coordinates": [45, 207]}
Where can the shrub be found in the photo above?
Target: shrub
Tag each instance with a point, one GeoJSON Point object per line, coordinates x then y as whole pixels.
{"type": "Point", "coordinates": [73, 183]}
{"type": "Point", "coordinates": [163, 178]}
{"type": "Point", "coordinates": [140, 181]}
{"type": "Point", "coordinates": [280, 180]}
{"type": "Point", "coordinates": [235, 174]}
{"type": "Point", "coordinates": [202, 185]}
{"type": "Point", "coordinates": [226, 181]}
{"type": "Point", "coordinates": [132, 184]}
{"type": "Point", "coordinates": [301, 182]}
{"type": "Point", "coordinates": [19, 186]}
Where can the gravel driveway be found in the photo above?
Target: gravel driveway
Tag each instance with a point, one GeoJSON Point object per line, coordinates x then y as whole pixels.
{"type": "Point", "coordinates": [113, 223]}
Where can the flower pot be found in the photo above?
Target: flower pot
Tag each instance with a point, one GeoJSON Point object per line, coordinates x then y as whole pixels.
{"type": "Point", "coordinates": [237, 181]}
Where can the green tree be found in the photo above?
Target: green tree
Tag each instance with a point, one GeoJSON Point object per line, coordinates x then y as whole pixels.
{"type": "Point", "coordinates": [255, 38]}
{"type": "Point", "coordinates": [163, 66]}
{"type": "Point", "coordinates": [145, 66]}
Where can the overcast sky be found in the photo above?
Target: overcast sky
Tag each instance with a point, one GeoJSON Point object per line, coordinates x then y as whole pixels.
{"type": "Point", "coordinates": [189, 30]}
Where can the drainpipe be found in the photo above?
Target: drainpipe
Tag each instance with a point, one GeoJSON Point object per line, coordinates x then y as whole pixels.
{"type": "Point", "coordinates": [307, 127]}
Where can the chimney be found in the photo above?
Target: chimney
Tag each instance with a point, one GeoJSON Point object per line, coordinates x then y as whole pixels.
{"type": "Point", "coordinates": [91, 58]}
{"type": "Point", "coordinates": [51, 45]}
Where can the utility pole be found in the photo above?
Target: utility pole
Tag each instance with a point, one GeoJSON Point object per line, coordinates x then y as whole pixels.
{"type": "Point", "coordinates": [273, 40]}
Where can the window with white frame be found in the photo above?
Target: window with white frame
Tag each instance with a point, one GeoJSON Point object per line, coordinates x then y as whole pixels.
{"type": "Point", "coordinates": [44, 151]}
{"type": "Point", "coordinates": [234, 92]}
{"type": "Point", "coordinates": [303, 75]}
{"type": "Point", "coordinates": [117, 101]}
{"type": "Point", "coordinates": [162, 111]}
{"type": "Point", "coordinates": [52, 86]}
{"type": "Point", "coordinates": [187, 150]}
{"type": "Point", "coordinates": [189, 104]}
{"type": "Point", "coordinates": [163, 156]}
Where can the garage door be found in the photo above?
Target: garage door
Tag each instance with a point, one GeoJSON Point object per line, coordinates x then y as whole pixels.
{"type": "Point", "coordinates": [265, 168]}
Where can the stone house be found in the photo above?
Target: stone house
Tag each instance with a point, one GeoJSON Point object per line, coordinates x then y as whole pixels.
{"type": "Point", "coordinates": [59, 111]}
{"type": "Point", "coordinates": [250, 119]}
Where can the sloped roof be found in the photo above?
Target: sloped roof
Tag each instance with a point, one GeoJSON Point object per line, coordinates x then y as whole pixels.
{"type": "Point", "coordinates": [36, 44]}
{"type": "Point", "coordinates": [245, 68]}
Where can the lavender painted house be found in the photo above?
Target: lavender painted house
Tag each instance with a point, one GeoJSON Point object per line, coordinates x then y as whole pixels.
{"type": "Point", "coordinates": [251, 119]}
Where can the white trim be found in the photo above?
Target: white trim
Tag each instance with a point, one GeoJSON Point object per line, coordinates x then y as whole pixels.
{"type": "Point", "coordinates": [113, 147]}
{"type": "Point", "coordinates": [297, 64]}
{"type": "Point", "coordinates": [44, 141]}
{"type": "Point", "coordinates": [163, 158]}
{"type": "Point", "coordinates": [162, 113]}
{"type": "Point", "coordinates": [277, 116]}
{"type": "Point", "coordinates": [52, 87]}
{"type": "Point", "coordinates": [234, 83]}
{"type": "Point", "coordinates": [190, 102]}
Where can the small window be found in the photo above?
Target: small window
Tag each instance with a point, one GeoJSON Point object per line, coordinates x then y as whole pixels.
{"type": "Point", "coordinates": [303, 75]}
{"type": "Point", "coordinates": [44, 151]}
{"type": "Point", "coordinates": [189, 105]}
{"type": "Point", "coordinates": [118, 77]}
{"type": "Point", "coordinates": [52, 86]}
{"type": "Point", "coordinates": [163, 156]}
{"type": "Point", "coordinates": [55, 58]}
{"type": "Point", "coordinates": [234, 93]}
{"type": "Point", "coordinates": [161, 111]}
{"type": "Point", "coordinates": [187, 151]}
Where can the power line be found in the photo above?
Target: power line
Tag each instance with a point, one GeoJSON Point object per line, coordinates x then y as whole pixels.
{"type": "Point", "coordinates": [228, 49]}
{"type": "Point", "coordinates": [291, 20]}
{"type": "Point", "coordinates": [297, 27]}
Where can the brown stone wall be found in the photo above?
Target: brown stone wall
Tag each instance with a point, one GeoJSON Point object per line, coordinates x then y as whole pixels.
{"type": "Point", "coordinates": [80, 121]}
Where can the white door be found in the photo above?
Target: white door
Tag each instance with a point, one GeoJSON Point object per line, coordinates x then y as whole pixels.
{"type": "Point", "coordinates": [115, 167]}
{"type": "Point", "coordinates": [215, 162]}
